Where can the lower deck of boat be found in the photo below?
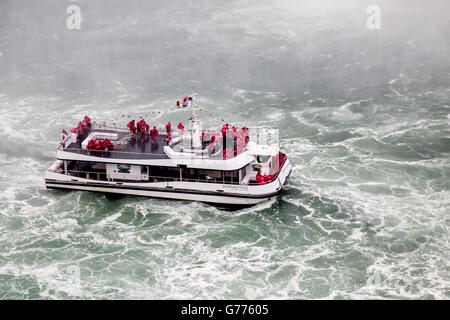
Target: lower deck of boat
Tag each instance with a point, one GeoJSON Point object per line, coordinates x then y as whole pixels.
{"type": "Point", "coordinates": [188, 195]}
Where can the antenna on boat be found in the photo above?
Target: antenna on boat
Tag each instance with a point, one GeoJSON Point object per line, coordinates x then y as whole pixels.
{"type": "Point", "coordinates": [196, 139]}
{"type": "Point", "coordinates": [194, 96]}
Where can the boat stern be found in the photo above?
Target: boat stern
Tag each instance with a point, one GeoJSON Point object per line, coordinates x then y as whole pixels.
{"type": "Point", "coordinates": [285, 172]}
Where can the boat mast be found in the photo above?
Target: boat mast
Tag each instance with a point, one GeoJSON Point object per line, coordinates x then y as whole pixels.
{"type": "Point", "coordinates": [194, 96]}
{"type": "Point", "coordinates": [196, 139]}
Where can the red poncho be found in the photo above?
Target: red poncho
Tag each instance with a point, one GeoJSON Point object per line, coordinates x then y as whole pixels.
{"type": "Point", "coordinates": [226, 154]}
{"type": "Point", "coordinates": [260, 178]}
{"type": "Point", "coordinates": [153, 133]}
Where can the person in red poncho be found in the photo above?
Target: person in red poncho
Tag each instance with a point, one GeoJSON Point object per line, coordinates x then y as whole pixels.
{"type": "Point", "coordinates": [224, 135]}
{"type": "Point", "coordinates": [154, 133]}
{"type": "Point", "coordinates": [142, 130]}
{"type": "Point", "coordinates": [281, 157]}
{"type": "Point", "coordinates": [211, 148]}
{"type": "Point", "coordinates": [107, 145]}
{"type": "Point", "coordinates": [80, 130]}
{"type": "Point", "coordinates": [260, 178]}
{"type": "Point", "coordinates": [169, 138]}
{"type": "Point", "coordinates": [225, 154]}
{"type": "Point", "coordinates": [168, 125]}
{"type": "Point", "coordinates": [131, 126]}
{"type": "Point", "coordinates": [140, 127]}
{"type": "Point", "coordinates": [224, 129]}
{"type": "Point", "coordinates": [140, 122]}
{"type": "Point", "coordinates": [181, 128]}
{"type": "Point", "coordinates": [90, 145]}
{"type": "Point", "coordinates": [98, 145]}
{"type": "Point", "coordinates": [87, 121]}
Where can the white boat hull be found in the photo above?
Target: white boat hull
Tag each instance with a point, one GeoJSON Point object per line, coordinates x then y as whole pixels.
{"type": "Point", "coordinates": [166, 195]}
{"type": "Point", "coordinates": [180, 190]}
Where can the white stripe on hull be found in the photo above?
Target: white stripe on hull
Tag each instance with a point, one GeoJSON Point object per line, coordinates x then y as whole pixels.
{"type": "Point", "coordinates": [168, 195]}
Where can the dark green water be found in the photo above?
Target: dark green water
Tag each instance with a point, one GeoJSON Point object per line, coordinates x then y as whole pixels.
{"type": "Point", "coordinates": [363, 115]}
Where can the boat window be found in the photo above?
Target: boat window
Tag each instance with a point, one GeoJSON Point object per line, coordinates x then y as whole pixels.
{"type": "Point", "coordinates": [264, 159]}
{"type": "Point", "coordinates": [190, 174]}
{"type": "Point", "coordinates": [165, 172]}
{"type": "Point", "coordinates": [213, 173]}
{"type": "Point", "coordinates": [242, 173]}
{"type": "Point", "coordinates": [230, 176]}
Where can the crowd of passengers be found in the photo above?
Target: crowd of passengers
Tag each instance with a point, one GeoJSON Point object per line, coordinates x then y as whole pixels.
{"type": "Point", "coordinates": [141, 128]}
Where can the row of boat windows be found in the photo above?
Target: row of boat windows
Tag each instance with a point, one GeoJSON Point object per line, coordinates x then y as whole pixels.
{"type": "Point", "coordinates": [197, 174]}
{"type": "Point", "coordinates": [185, 173]}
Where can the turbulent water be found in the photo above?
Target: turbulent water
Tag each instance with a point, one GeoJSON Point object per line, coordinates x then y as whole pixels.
{"type": "Point", "coordinates": [364, 117]}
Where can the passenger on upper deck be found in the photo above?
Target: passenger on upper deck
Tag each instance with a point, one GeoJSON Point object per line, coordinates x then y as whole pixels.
{"type": "Point", "coordinates": [131, 126]}
{"type": "Point", "coordinates": [154, 133]}
{"type": "Point", "coordinates": [87, 120]}
{"type": "Point", "coordinates": [81, 129]}
{"type": "Point", "coordinates": [226, 154]}
{"type": "Point", "coordinates": [142, 127]}
{"type": "Point", "coordinates": [181, 128]}
{"type": "Point", "coordinates": [224, 129]}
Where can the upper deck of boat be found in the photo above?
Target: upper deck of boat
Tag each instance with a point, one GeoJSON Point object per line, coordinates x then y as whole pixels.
{"type": "Point", "coordinates": [133, 148]}
{"type": "Point", "coordinates": [129, 146]}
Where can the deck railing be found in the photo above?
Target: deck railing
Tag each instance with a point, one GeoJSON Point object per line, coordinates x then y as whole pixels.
{"type": "Point", "coordinates": [136, 155]}
{"type": "Point", "coordinates": [103, 176]}
{"type": "Point", "coordinates": [117, 154]}
{"type": "Point", "coordinates": [141, 155]}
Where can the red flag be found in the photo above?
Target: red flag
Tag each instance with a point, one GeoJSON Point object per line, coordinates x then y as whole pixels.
{"type": "Point", "coordinates": [65, 132]}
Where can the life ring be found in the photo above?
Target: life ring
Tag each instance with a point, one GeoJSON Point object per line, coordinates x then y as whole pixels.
{"type": "Point", "coordinates": [124, 167]}
{"type": "Point", "coordinates": [257, 166]}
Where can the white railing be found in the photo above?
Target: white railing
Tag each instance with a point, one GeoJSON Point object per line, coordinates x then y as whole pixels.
{"type": "Point", "coordinates": [95, 125]}
{"type": "Point", "coordinates": [105, 176]}
{"type": "Point", "coordinates": [99, 175]}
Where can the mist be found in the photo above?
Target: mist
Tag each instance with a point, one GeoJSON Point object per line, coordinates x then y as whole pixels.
{"type": "Point", "coordinates": [151, 46]}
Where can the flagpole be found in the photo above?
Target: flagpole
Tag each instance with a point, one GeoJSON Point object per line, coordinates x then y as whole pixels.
{"type": "Point", "coordinates": [194, 95]}
{"type": "Point", "coordinates": [196, 140]}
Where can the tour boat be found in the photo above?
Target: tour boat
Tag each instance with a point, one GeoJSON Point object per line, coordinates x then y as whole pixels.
{"type": "Point", "coordinates": [232, 165]}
